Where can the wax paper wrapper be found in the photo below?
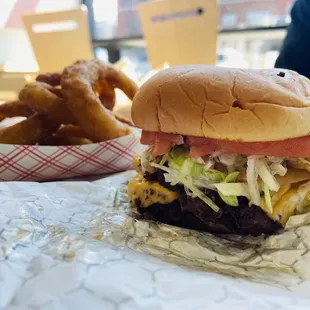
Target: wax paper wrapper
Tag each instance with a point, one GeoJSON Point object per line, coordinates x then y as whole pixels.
{"type": "Point", "coordinates": [77, 245]}
{"type": "Point", "coordinates": [41, 163]}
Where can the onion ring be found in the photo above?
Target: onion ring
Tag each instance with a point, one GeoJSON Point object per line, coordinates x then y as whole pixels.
{"type": "Point", "coordinates": [38, 97]}
{"type": "Point", "coordinates": [13, 109]}
{"type": "Point", "coordinates": [46, 99]}
{"type": "Point", "coordinates": [52, 79]}
{"type": "Point", "coordinates": [106, 91]}
{"type": "Point", "coordinates": [99, 72]}
{"type": "Point", "coordinates": [123, 119]}
{"type": "Point", "coordinates": [56, 140]}
{"type": "Point", "coordinates": [71, 131]}
{"type": "Point", "coordinates": [107, 95]}
{"type": "Point", "coordinates": [78, 84]}
{"type": "Point", "coordinates": [30, 131]}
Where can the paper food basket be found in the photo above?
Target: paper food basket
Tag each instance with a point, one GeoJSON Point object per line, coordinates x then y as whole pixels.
{"type": "Point", "coordinates": [43, 163]}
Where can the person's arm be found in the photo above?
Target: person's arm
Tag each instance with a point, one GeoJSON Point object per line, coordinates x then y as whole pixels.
{"type": "Point", "coordinates": [295, 52]}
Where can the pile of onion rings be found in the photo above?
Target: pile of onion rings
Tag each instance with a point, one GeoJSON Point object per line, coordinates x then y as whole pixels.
{"type": "Point", "coordinates": [72, 107]}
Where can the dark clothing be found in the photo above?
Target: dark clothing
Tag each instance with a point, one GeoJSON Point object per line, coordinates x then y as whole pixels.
{"type": "Point", "coordinates": [295, 52]}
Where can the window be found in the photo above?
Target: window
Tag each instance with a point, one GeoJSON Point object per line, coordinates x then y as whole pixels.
{"type": "Point", "coordinates": [16, 53]}
{"type": "Point", "coordinates": [11, 11]}
{"type": "Point", "coordinates": [254, 49]}
{"type": "Point", "coordinates": [258, 18]}
{"type": "Point", "coordinates": [229, 20]}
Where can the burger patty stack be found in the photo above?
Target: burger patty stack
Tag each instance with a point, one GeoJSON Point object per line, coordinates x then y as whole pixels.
{"type": "Point", "coordinates": [227, 149]}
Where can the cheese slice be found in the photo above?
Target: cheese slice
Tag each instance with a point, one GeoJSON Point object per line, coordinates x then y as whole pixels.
{"type": "Point", "coordinates": [149, 192]}
{"type": "Point", "coordinates": [293, 176]}
{"type": "Point", "coordinates": [289, 200]}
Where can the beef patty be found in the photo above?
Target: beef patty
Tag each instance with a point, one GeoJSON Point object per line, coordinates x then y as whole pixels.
{"type": "Point", "coordinates": [193, 213]}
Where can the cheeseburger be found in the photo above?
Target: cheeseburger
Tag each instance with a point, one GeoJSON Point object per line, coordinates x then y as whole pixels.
{"type": "Point", "coordinates": [227, 149]}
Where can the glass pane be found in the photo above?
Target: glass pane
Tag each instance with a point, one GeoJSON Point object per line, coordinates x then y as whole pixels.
{"type": "Point", "coordinates": [255, 49]}
{"type": "Point", "coordinates": [119, 18]}
{"type": "Point", "coordinates": [139, 59]}
{"type": "Point", "coordinates": [241, 14]}
{"type": "Point", "coordinates": [11, 11]}
{"type": "Point", "coordinates": [15, 49]}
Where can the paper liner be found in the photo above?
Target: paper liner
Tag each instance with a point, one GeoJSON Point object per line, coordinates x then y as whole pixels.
{"type": "Point", "coordinates": [41, 163]}
{"type": "Point", "coordinates": [75, 245]}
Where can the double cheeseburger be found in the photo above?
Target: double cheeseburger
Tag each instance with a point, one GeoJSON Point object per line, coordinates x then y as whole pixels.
{"type": "Point", "coordinates": [228, 150]}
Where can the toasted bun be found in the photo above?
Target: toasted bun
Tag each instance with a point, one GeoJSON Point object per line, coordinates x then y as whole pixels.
{"type": "Point", "coordinates": [227, 104]}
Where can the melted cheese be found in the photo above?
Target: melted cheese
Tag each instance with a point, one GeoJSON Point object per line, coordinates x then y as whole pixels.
{"type": "Point", "coordinates": [149, 192]}
{"type": "Point", "coordinates": [286, 206]}
{"type": "Point", "coordinates": [287, 202]}
{"type": "Point", "coordinates": [275, 197]}
{"type": "Point", "coordinates": [137, 163]}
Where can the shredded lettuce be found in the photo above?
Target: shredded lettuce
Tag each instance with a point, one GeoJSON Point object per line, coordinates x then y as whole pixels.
{"type": "Point", "coordinates": [197, 170]}
{"type": "Point", "coordinates": [227, 159]}
{"type": "Point", "coordinates": [187, 166]}
{"type": "Point", "coordinates": [233, 189]}
{"type": "Point", "coordinates": [252, 176]}
{"type": "Point", "coordinates": [146, 160]}
{"type": "Point", "coordinates": [209, 164]}
{"type": "Point", "coordinates": [199, 160]}
{"type": "Point", "coordinates": [274, 159]}
{"type": "Point", "coordinates": [264, 172]}
{"type": "Point", "coordinates": [178, 155]}
{"type": "Point", "coordinates": [267, 198]}
{"type": "Point", "coordinates": [278, 168]}
{"type": "Point", "coordinates": [175, 177]}
{"type": "Point", "coordinates": [164, 159]}
{"type": "Point", "coordinates": [213, 176]}
{"type": "Point", "coordinates": [232, 177]}
{"type": "Point", "coordinates": [230, 200]}
{"type": "Point", "coordinates": [197, 174]}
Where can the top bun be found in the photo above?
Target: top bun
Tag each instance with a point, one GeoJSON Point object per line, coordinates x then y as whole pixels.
{"type": "Point", "coordinates": [226, 104]}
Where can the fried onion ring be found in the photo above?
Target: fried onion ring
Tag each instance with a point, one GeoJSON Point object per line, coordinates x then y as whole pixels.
{"type": "Point", "coordinates": [99, 72]}
{"type": "Point", "coordinates": [52, 79]}
{"type": "Point", "coordinates": [13, 109]}
{"type": "Point", "coordinates": [78, 84]}
{"type": "Point", "coordinates": [107, 95]}
{"type": "Point", "coordinates": [46, 100]}
{"type": "Point", "coordinates": [107, 92]}
{"type": "Point", "coordinates": [38, 97]}
{"type": "Point", "coordinates": [71, 131]}
{"type": "Point", "coordinates": [56, 140]}
{"type": "Point", "coordinates": [56, 91]}
{"type": "Point", "coordinates": [123, 119]}
{"type": "Point", "coordinates": [105, 89]}
{"type": "Point", "coordinates": [30, 131]}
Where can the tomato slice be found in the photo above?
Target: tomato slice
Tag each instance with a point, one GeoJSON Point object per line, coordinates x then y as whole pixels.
{"type": "Point", "coordinates": [163, 142]}
{"type": "Point", "coordinates": [148, 137]}
{"type": "Point", "coordinates": [161, 147]}
{"type": "Point", "coordinates": [298, 147]}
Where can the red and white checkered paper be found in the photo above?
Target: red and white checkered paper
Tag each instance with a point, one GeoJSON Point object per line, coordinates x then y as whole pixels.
{"type": "Point", "coordinates": [42, 163]}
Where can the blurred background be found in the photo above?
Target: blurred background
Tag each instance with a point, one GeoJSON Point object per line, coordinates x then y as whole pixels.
{"type": "Point", "coordinates": [250, 32]}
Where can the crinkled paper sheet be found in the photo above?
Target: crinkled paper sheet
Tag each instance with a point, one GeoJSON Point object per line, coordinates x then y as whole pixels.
{"type": "Point", "coordinates": [75, 245]}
